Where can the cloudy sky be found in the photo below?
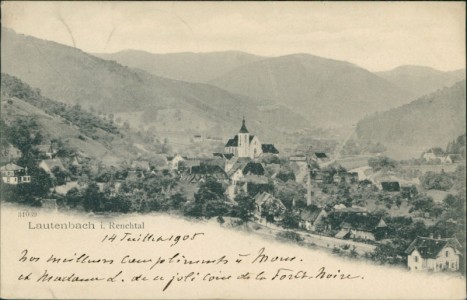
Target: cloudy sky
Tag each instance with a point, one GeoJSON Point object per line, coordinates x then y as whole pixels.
{"type": "Point", "coordinates": [376, 36]}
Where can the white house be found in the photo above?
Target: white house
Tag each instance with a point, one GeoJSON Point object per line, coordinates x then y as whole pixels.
{"type": "Point", "coordinates": [434, 154]}
{"type": "Point", "coordinates": [174, 161]}
{"type": "Point", "coordinates": [433, 254]}
{"type": "Point", "coordinates": [14, 174]}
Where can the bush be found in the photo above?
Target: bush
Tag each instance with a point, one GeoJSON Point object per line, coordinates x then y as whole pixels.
{"type": "Point", "coordinates": [290, 236]}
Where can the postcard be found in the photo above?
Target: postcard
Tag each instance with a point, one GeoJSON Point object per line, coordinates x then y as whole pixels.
{"type": "Point", "coordinates": [233, 150]}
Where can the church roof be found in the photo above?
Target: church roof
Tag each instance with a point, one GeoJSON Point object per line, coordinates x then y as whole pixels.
{"type": "Point", "coordinates": [243, 128]}
{"type": "Point", "coordinates": [234, 142]}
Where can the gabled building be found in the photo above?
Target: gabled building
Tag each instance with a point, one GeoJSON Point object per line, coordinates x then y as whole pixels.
{"type": "Point", "coordinates": [320, 156]}
{"type": "Point", "coordinates": [311, 217]}
{"type": "Point", "coordinates": [14, 174]}
{"type": "Point", "coordinates": [268, 207]}
{"type": "Point", "coordinates": [202, 172]}
{"type": "Point", "coordinates": [435, 255]}
{"type": "Point", "coordinates": [46, 150]}
{"type": "Point", "coordinates": [362, 226]}
{"type": "Point", "coordinates": [245, 144]}
{"type": "Point", "coordinates": [174, 161]}
{"type": "Point", "coordinates": [269, 149]}
{"type": "Point", "coordinates": [434, 154]}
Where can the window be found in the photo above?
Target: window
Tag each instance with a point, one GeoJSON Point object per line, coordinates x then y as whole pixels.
{"type": "Point", "coordinates": [447, 253]}
{"type": "Point", "coordinates": [415, 258]}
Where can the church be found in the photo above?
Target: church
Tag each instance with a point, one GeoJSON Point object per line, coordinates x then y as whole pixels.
{"type": "Point", "coordinates": [245, 144]}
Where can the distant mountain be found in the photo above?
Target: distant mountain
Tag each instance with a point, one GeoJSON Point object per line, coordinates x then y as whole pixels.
{"type": "Point", "coordinates": [432, 120]}
{"type": "Point", "coordinates": [72, 76]}
{"type": "Point", "coordinates": [187, 66]}
{"type": "Point", "coordinates": [325, 91]}
{"type": "Point", "coordinates": [419, 80]}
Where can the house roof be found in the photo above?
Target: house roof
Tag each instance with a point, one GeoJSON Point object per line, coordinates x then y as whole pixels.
{"type": "Point", "coordinates": [320, 155]}
{"type": "Point", "coordinates": [430, 247]}
{"type": "Point", "coordinates": [234, 141]}
{"type": "Point", "coordinates": [243, 128]}
{"type": "Point", "coordinates": [269, 148]}
{"type": "Point", "coordinates": [436, 151]}
{"type": "Point", "coordinates": [310, 213]}
{"type": "Point", "coordinates": [53, 163]}
{"type": "Point", "coordinates": [391, 186]}
{"type": "Point", "coordinates": [266, 198]}
{"type": "Point", "coordinates": [253, 168]}
{"type": "Point", "coordinates": [363, 222]}
{"type": "Point", "coordinates": [223, 155]}
{"type": "Point", "coordinates": [11, 167]}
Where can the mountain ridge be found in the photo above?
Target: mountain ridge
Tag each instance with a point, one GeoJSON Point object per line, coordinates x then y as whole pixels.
{"type": "Point", "coordinates": [431, 120]}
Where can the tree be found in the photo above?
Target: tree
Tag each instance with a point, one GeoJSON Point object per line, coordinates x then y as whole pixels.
{"type": "Point", "coordinates": [73, 197]}
{"type": "Point", "coordinates": [437, 181]}
{"type": "Point", "coordinates": [381, 163]}
{"type": "Point", "coordinates": [246, 207]}
{"type": "Point", "coordinates": [291, 219]}
{"type": "Point", "coordinates": [92, 198]}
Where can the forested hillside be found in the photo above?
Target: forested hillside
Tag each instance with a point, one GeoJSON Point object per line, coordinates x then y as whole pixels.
{"type": "Point", "coordinates": [432, 120]}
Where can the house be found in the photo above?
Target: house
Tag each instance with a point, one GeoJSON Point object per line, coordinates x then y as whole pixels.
{"type": "Point", "coordinates": [433, 154]}
{"type": "Point", "coordinates": [174, 161]}
{"type": "Point", "coordinates": [452, 158]}
{"type": "Point", "coordinates": [242, 168]}
{"type": "Point", "coordinates": [362, 226]}
{"type": "Point", "coordinates": [202, 172]}
{"type": "Point", "coordinates": [245, 144]}
{"type": "Point", "coordinates": [363, 173]}
{"type": "Point", "coordinates": [48, 165]}
{"type": "Point", "coordinates": [46, 150]}
{"type": "Point", "coordinates": [311, 217]}
{"type": "Point", "coordinates": [435, 255]}
{"type": "Point", "coordinates": [268, 207]}
{"type": "Point", "coordinates": [390, 186]}
{"type": "Point", "coordinates": [14, 174]}
{"type": "Point", "coordinates": [269, 149]}
{"type": "Point", "coordinates": [320, 156]}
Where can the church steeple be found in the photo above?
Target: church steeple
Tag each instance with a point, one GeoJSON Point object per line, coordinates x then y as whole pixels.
{"type": "Point", "coordinates": [243, 129]}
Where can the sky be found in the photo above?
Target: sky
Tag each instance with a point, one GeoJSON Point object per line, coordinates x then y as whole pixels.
{"type": "Point", "coordinates": [374, 35]}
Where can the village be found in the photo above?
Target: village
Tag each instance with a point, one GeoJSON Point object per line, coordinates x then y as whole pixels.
{"type": "Point", "coordinates": [382, 211]}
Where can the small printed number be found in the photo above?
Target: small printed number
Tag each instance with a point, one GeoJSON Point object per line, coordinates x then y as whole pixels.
{"type": "Point", "coordinates": [27, 214]}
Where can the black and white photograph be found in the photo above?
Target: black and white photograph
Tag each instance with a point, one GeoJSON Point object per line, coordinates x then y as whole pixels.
{"type": "Point", "coordinates": [233, 150]}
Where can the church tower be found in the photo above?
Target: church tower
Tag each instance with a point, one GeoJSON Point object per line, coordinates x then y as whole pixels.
{"type": "Point", "coordinates": [243, 141]}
